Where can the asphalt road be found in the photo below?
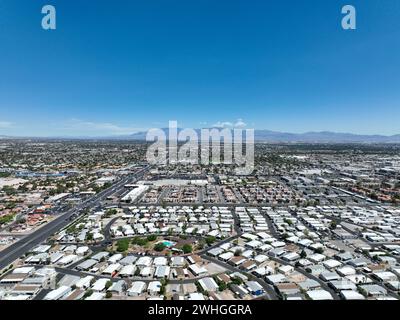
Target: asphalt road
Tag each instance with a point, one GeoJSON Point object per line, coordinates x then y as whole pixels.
{"type": "Point", "coordinates": [27, 243]}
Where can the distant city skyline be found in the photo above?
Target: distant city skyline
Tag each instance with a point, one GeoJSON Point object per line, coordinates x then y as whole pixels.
{"type": "Point", "coordinates": [116, 68]}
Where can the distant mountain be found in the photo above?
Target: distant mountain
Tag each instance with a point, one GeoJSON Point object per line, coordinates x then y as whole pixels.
{"type": "Point", "coordinates": [259, 136]}
{"type": "Point", "coordinates": [324, 136]}
{"type": "Point", "coordinates": [309, 137]}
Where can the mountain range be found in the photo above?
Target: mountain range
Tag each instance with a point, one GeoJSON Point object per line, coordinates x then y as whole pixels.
{"type": "Point", "coordinates": [260, 136]}
{"type": "Point", "coordinates": [309, 137]}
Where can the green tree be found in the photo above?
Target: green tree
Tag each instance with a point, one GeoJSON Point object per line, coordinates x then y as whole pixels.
{"type": "Point", "coordinates": [222, 286]}
{"type": "Point", "coordinates": [122, 245]}
{"type": "Point", "coordinates": [139, 241]}
{"type": "Point", "coordinates": [4, 174]}
{"type": "Point", "coordinates": [9, 190]}
{"type": "Point", "coordinates": [236, 280]}
{"type": "Point", "coordinates": [319, 250]}
{"type": "Point", "coordinates": [6, 219]}
{"type": "Point", "coordinates": [159, 247]}
{"type": "Point", "coordinates": [187, 248]}
{"type": "Point", "coordinates": [108, 284]}
{"type": "Point", "coordinates": [210, 240]}
{"type": "Point", "coordinates": [88, 293]}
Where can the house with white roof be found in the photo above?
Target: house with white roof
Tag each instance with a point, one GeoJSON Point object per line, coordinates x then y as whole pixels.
{"type": "Point", "coordinates": [137, 288]}
{"type": "Point", "coordinates": [112, 269]}
{"type": "Point", "coordinates": [100, 285]}
{"type": "Point", "coordinates": [154, 287]}
{"type": "Point", "coordinates": [319, 295]}
{"type": "Point", "coordinates": [84, 283]}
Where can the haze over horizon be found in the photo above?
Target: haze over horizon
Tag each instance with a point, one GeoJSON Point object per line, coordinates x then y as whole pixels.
{"type": "Point", "coordinates": [259, 135]}
{"type": "Point", "coordinates": [277, 65]}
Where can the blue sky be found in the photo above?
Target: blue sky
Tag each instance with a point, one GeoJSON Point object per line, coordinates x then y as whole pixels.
{"type": "Point", "coordinates": [114, 67]}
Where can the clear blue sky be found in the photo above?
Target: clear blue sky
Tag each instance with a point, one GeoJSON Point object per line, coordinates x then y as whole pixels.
{"type": "Point", "coordinates": [114, 67]}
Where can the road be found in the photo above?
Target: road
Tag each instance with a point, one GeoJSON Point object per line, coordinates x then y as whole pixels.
{"type": "Point", "coordinates": [27, 243]}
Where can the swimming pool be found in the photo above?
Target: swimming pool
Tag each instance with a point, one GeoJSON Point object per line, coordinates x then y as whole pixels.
{"type": "Point", "coordinates": [168, 243]}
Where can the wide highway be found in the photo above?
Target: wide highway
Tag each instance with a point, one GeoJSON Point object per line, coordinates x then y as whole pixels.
{"type": "Point", "coordinates": [30, 241]}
